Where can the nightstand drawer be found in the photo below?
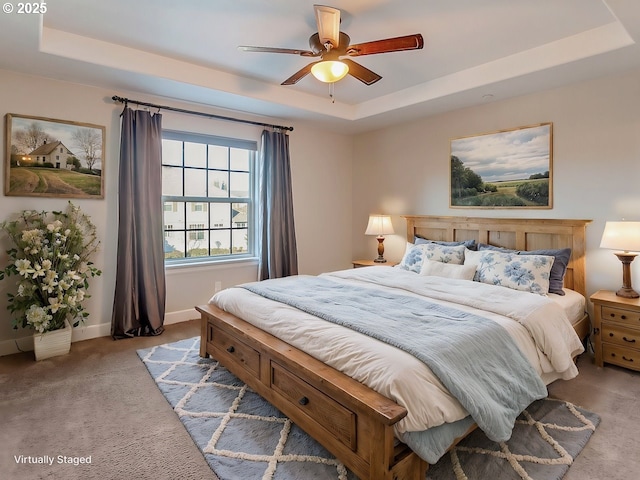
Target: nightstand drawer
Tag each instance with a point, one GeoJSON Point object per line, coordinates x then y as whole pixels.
{"type": "Point", "coordinates": [622, 316]}
{"type": "Point", "coordinates": [625, 357]}
{"type": "Point", "coordinates": [621, 336]}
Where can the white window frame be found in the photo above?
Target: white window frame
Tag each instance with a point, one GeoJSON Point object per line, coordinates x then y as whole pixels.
{"type": "Point", "coordinates": [252, 221]}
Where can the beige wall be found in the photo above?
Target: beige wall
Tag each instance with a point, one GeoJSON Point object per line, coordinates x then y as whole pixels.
{"type": "Point", "coordinates": [596, 165]}
{"type": "Point", "coordinates": [322, 197]}
{"type": "Point", "coordinates": [340, 180]}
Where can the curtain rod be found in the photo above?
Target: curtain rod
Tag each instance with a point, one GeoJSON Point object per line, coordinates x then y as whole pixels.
{"type": "Point", "coordinates": [115, 98]}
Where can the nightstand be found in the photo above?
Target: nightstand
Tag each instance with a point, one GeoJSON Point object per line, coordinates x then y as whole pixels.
{"type": "Point", "coordinates": [616, 330]}
{"type": "Point", "coordinates": [371, 263]}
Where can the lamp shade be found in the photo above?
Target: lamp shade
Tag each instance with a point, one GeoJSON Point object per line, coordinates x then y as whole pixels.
{"type": "Point", "coordinates": [624, 236]}
{"type": "Point", "coordinates": [379, 225]}
{"type": "Point", "coordinates": [329, 71]}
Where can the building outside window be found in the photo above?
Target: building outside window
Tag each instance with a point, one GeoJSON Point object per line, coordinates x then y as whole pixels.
{"type": "Point", "coordinates": [208, 189]}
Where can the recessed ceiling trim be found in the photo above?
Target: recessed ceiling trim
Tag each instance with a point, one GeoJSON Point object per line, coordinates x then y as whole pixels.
{"type": "Point", "coordinates": [89, 50]}
{"type": "Point", "coordinates": [593, 42]}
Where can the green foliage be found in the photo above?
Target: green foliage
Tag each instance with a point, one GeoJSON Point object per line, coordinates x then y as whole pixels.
{"type": "Point", "coordinates": [500, 200]}
{"type": "Point", "coordinates": [537, 176]}
{"type": "Point", "coordinates": [464, 181]}
{"type": "Point", "coordinates": [536, 192]}
{"type": "Point", "coordinates": [51, 259]}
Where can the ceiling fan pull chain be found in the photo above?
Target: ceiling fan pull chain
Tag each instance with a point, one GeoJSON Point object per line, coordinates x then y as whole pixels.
{"type": "Point", "coordinates": [331, 91]}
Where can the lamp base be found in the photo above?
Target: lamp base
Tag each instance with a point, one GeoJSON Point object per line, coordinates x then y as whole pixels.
{"type": "Point", "coordinates": [627, 293]}
{"type": "Point", "coordinates": [380, 258]}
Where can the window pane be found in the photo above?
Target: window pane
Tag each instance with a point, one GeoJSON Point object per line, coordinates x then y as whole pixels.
{"type": "Point", "coordinates": [172, 181]}
{"type": "Point", "coordinates": [218, 157]}
{"type": "Point", "coordinates": [239, 184]}
{"type": "Point", "coordinates": [195, 182]}
{"type": "Point", "coordinates": [198, 245]}
{"type": "Point", "coordinates": [240, 241]}
{"type": "Point", "coordinates": [171, 152]}
{"type": "Point", "coordinates": [239, 215]}
{"type": "Point", "coordinates": [174, 245]}
{"type": "Point", "coordinates": [220, 215]}
{"type": "Point", "coordinates": [218, 184]}
{"type": "Point", "coordinates": [195, 155]}
{"type": "Point", "coordinates": [220, 242]}
{"type": "Point", "coordinates": [197, 215]}
{"type": "Point", "coordinates": [239, 159]}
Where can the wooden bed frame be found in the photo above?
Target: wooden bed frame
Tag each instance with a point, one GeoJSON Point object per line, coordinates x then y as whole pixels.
{"type": "Point", "coordinates": [352, 421]}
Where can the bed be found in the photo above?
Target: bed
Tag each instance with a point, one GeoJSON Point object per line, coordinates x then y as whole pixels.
{"type": "Point", "coordinates": [357, 423]}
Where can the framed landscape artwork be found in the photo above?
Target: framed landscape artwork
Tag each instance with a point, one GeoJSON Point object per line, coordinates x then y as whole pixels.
{"type": "Point", "coordinates": [505, 169]}
{"type": "Point", "coordinates": [53, 158]}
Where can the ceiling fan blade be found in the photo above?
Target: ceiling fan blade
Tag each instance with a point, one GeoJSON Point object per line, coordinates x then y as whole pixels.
{"type": "Point", "coordinates": [397, 44]}
{"type": "Point", "coordinates": [363, 74]}
{"type": "Point", "coordinates": [299, 75]}
{"type": "Point", "coordinates": [304, 53]}
{"type": "Point", "coordinates": [328, 21]}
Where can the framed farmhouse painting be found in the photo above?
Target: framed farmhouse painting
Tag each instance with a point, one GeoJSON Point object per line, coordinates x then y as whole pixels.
{"type": "Point", "coordinates": [53, 158]}
{"type": "Point", "coordinates": [505, 169]}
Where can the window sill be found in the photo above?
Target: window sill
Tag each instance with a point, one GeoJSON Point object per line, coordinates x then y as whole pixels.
{"type": "Point", "coordinates": [213, 264]}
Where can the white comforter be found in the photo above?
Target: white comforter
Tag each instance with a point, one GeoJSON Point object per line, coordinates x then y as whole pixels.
{"type": "Point", "coordinates": [539, 327]}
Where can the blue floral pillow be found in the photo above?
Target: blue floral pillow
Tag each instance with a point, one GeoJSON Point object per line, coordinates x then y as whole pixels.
{"type": "Point", "coordinates": [415, 255]}
{"type": "Point", "coordinates": [529, 273]}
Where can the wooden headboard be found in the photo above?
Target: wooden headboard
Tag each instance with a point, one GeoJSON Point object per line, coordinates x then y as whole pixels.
{"type": "Point", "coordinates": [514, 233]}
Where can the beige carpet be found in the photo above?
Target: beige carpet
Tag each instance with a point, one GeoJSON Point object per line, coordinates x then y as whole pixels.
{"type": "Point", "coordinates": [99, 401]}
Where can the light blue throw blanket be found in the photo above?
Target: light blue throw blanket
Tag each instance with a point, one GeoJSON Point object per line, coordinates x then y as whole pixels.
{"type": "Point", "coordinates": [474, 357]}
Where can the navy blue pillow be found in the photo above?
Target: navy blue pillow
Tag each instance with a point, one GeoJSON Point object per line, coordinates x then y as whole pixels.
{"type": "Point", "coordinates": [558, 270]}
{"type": "Point", "coordinates": [470, 244]}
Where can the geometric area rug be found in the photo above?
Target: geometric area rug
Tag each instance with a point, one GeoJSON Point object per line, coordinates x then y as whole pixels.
{"type": "Point", "coordinates": [546, 439]}
{"type": "Point", "coordinates": [242, 436]}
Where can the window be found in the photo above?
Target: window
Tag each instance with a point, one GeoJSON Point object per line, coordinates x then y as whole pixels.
{"type": "Point", "coordinates": [208, 189]}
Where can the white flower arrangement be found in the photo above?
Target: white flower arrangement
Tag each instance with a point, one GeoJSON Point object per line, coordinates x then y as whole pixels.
{"type": "Point", "coordinates": [51, 257]}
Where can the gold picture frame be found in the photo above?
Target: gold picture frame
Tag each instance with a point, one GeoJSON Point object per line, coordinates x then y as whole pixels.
{"type": "Point", "coordinates": [46, 157]}
{"type": "Point", "coordinates": [504, 169]}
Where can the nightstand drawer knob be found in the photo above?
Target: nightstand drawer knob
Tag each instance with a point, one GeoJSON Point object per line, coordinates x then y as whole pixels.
{"type": "Point", "coordinates": [633, 340]}
{"type": "Point", "coordinates": [231, 349]}
{"type": "Point", "coordinates": [624, 317]}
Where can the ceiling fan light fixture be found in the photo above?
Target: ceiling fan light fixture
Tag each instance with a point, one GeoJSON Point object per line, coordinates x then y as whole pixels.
{"type": "Point", "coordinates": [329, 71]}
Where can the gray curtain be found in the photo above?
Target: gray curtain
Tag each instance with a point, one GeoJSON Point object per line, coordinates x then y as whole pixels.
{"type": "Point", "coordinates": [139, 302]}
{"type": "Point", "coordinates": [278, 251]}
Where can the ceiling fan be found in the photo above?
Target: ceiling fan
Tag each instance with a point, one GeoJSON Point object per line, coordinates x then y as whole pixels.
{"type": "Point", "coordinates": [332, 46]}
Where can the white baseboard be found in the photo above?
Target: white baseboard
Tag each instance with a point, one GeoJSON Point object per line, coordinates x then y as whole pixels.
{"type": "Point", "coordinates": [180, 316]}
{"type": "Point", "coordinates": [87, 332]}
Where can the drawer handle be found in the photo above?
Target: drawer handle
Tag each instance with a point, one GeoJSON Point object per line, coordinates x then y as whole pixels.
{"type": "Point", "coordinates": [303, 401]}
{"type": "Point", "coordinates": [633, 340]}
{"type": "Point", "coordinates": [627, 359]}
{"type": "Point", "coordinates": [624, 317]}
{"type": "Point", "coordinates": [231, 349]}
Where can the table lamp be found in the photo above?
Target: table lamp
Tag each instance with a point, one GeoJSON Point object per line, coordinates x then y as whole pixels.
{"type": "Point", "coordinates": [624, 236]}
{"type": "Point", "coordinates": [379, 225]}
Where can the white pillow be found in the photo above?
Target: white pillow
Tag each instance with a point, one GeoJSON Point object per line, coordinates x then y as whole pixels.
{"type": "Point", "coordinates": [449, 270]}
{"type": "Point", "coordinates": [473, 257]}
{"type": "Point", "coordinates": [415, 255]}
{"type": "Point", "coordinates": [528, 273]}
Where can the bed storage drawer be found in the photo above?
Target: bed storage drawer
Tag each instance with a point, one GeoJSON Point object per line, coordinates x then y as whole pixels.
{"type": "Point", "coordinates": [337, 419]}
{"type": "Point", "coordinates": [231, 347]}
